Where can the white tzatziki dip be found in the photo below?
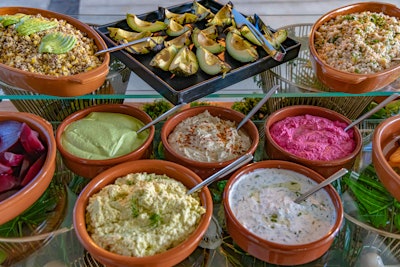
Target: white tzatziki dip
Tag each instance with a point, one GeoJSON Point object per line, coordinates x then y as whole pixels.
{"type": "Point", "coordinates": [208, 138]}
{"type": "Point", "coordinates": [142, 214]}
{"type": "Point", "coordinates": [263, 202]}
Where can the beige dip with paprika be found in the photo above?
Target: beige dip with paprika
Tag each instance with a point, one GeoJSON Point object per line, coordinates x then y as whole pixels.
{"type": "Point", "coordinates": [208, 138]}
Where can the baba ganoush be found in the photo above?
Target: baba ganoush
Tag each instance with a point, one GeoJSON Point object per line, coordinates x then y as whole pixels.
{"type": "Point", "coordinates": [364, 42]}
{"type": "Point", "coordinates": [142, 214]}
{"type": "Point", "coordinates": [263, 202]}
{"type": "Point", "coordinates": [208, 138]}
{"type": "Point", "coordinates": [103, 135]}
{"type": "Point", "coordinates": [313, 137]}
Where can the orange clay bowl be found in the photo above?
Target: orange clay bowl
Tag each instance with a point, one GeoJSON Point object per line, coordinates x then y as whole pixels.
{"type": "Point", "coordinates": [325, 168]}
{"type": "Point", "coordinates": [73, 85]}
{"type": "Point", "coordinates": [342, 81]}
{"type": "Point", "coordinates": [272, 252]}
{"type": "Point", "coordinates": [205, 169]}
{"type": "Point", "coordinates": [25, 197]}
{"type": "Point", "coordinates": [172, 256]}
{"type": "Point", "coordinates": [89, 168]}
{"type": "Point", "coordinates": [385, 141]}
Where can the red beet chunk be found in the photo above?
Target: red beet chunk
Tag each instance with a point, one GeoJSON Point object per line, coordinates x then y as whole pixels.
{"type": "Point", "coordinates": [7, 182]}
{"type": "Point", "coordinates": [11, 159]}
{"type": "Point", "coordinates": [33, 170]}
{"type": "Point", "coordinates": [4, 169]}
{"type": "Point", "coordinates": [30, 141]}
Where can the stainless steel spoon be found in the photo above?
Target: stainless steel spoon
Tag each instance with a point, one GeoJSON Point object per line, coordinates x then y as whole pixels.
{"type": "Point", "coordinates": [161, 117]}
{"type": "Point", "coordinates": [239, 162]}
{"type": "Point", "coordinates": [258, 106]}
{"type": "Point", "coordinates": [122, 46]}
{"type": "Point", "coordinates": [372, 111]}
{"type": "Point", "coordinates": [314, 189]}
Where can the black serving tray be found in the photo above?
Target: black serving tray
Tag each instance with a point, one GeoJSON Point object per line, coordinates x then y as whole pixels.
{"type": "Point", "coordinates": [187, 89]}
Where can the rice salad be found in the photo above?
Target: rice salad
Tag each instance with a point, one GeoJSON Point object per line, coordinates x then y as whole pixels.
{"type": "Point", "coordinates": [362, 43]}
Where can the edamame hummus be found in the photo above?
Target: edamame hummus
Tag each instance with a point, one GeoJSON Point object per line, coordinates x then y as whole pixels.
{"type": "Point", "coordinates": [103, 135]}
{"type": "Point", "coordinates": [142, 214]}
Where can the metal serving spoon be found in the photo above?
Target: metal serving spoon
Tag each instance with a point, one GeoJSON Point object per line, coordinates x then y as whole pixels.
{"type": "Point", "coordinates": [122, 46]}
{"type": "Point", "coordinates": [317, 187]}
{"type": "Point", "coordinates": [161, 117]}
{"type": "Point", "coordinates": [258, 106]}
{"type": "Point", "coordinates": [372, 111]}
{"type": "Point", "coordinates": [239, 162]}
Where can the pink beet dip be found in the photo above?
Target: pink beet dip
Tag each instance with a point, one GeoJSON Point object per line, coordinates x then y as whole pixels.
{"type": "Point", "coordinates": [314, 138]}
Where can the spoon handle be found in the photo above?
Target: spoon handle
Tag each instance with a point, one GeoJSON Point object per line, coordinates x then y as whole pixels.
{"type": "Point", "coordinates": [121, 46]}
{"type": "Point", "coordinates": [372, 111]}
{"type": "Point", "coordinates": [161, 117]}
{"type": "Point", "coordinates": [231, 167]}
{"type": "Point", "coordinates": [258, 106]}
{"type": "Point", "coordinates": [332, 178]}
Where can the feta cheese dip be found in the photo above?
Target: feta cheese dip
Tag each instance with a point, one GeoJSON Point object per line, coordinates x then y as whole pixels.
{"type": "Point", "coordinates": [103, 135]}
{"type": "Point", "coordinates": [263, 202]}
{"type": "Point", "coordinates": [313, 137]}
{"type": "Point", "coordinates": [142, 214]}
{"type": "Point", "coordinates": [208, 138]}
{"type": "Point", "coordinates": [364, 42]}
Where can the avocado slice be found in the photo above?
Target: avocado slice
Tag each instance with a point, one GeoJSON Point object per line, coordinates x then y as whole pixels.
{"type": "Point", "coordinates": [239, 48]}
{"type": "Point", "coordinates": [34, 25]}
{"type": "Point", "coordinates": [163, 59]}
{"type": "Point", "coordinates": [57, 43]}
{"type": "Point", "coordinates": [180, 41]}
{"type": "Point", "coordinates": [222, 18]}
{"type": "Point", "coordinates": [155, 44]}
{"type": "Point", "coordinates": [210, 63]}
{"type": "Point", "coordinates": [200, 39]}
{"type": "Point", "coordinates": [201, 11]}
{"type": "Point", "coordinates": [176, 29]}
{"type": "Point", "coordinates": [184, 63]}
{"type": "Point", "coordinates": [180, 18]}
{"type": "Point", "coordinates": [140, 25]}
{"type": "Point", "coordinates": [120, 34]}
{"type": "Point", "coordinates": [8, 20]}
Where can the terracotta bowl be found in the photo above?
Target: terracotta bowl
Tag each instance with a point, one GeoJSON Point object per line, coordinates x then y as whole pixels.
{"type": "Point", "coordinates": [89, 168]}
{"type": "Point", "coordinates": [204, 169]}
{"type": "Point", "coordinates": [72, 85]}
{"type": "Point", "coordinates": [342, 81]}
{"type": "Point", "coordinates": [172, 256]}
{"type": "Point", "coordinates": [273, 252]}
{"type": "Point", "coordinates": [385, 141]}
{"type": "Point", "coordinates": [325, 168]}
{"type": "Point", "coordinates": [25, 197]}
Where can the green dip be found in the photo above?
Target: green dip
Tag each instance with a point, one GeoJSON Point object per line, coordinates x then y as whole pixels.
{"type": "Point", "coordinates": [103, 135]}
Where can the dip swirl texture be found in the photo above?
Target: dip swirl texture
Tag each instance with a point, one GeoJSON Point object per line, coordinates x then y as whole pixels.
{"type": "Point", "coordinates": [314, 138]}
{"type": "Point", "coordinates": [208, 138]}
{"type": "Point", "coordinates": [103, 135]}
{"type": "Point", "coordinates": [263, 202]}
{"type": "Point", "coordinates": [142, 214]}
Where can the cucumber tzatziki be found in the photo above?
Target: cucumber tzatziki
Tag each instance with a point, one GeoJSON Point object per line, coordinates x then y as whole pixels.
{"type": "Point", "coordinates": [263, 202]}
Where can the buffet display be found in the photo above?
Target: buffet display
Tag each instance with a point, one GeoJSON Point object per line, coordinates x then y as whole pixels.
{"type": "Point", "coordinates": [133, 203]}
{"type": "Point", "coordinates": [214, 30]}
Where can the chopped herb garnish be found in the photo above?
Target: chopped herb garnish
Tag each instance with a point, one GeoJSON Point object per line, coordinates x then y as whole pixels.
{"type": "Point", "coordinates": [155, 219]}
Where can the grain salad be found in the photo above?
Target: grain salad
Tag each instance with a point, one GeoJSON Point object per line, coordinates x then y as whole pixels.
{"type": "Point", "coordinates": [142, 214]}
{"type": "Point", "coordinates": [22, 51]}
{"type": "Point", "coordinates": [364, 42]}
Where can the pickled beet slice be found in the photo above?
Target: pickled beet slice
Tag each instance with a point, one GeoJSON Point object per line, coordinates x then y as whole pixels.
{"type": "Point", "coordinates": [11, 159]}
{"type": "Point", "coordinates": [9, 134]}
{"type": "Point", "coordinates": [30, 141]}
{"type": "Point", "coordinates": [7, 182]}
{"type": "Point", "coordinates": [4, 169]}
{"type": "Point", "coordinates": [33, 170]}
